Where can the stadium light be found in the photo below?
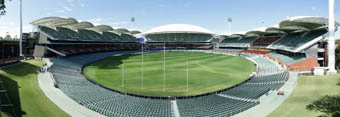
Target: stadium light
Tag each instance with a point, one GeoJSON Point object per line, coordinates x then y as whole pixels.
{"type": "Point", "coordinates": [20, 38]}
{"type": "Point", "coordinates": [133, 19]}
{"type": "Point", "coordinates": [229, 20]}
{"type": "Point", "coordinates": [331, 39]}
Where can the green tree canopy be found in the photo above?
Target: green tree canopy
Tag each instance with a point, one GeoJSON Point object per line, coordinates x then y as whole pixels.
{"type": "Point", "coordinates": [329, 105]}
{"type": "Point", "coordinates": [2, 7]}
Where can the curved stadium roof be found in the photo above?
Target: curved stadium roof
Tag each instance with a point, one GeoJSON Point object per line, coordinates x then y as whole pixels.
{"type": "Point", "coordinates": [122, 30]}
{"type": "Point", "coordinates": [308, 22]}
{"type": "Point", "coordinates": [274, 30]}
{"type": "Point", "coordinates": [178, 28]}
{"type": "Point", "coordinates": [80, 25]}
{"type": "Point", "coordinates": [256, 31]}
{"type": "Point", "coordinates": [44, 20]}
{"type": "Point", "coordinates": [73, 24]}
{"type": "Point", "coordinates": [54, 21]}
{"type": "Point", "coordinates": [292, 24]}
{"type": "Point", "coordinates": [101, 28]}
{"type": "Point", "coordinates": [135, 32]}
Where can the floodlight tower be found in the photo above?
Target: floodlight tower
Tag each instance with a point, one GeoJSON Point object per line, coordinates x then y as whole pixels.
{"type": "Point", "coordinates": [331, 39]}
{"type": "Point", "coordinates": [133, 20]}
{"type": "Point", "coordinates": [229, 20]}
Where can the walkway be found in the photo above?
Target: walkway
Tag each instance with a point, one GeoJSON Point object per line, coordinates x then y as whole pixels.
{"type": "Point", "coordinates": [61, 100]}
{"type": "Point", "coordinates": [270, 102]}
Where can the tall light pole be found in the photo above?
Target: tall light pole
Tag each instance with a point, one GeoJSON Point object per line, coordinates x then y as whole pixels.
{"type": "Point", "coordinates": [20, 38]}
{"type": "Point", "coordinates": [133, 19]}
{"type": "Point", "coordinates": [229, 20]}
{"type": "Point", "coordinates": [331, 39]}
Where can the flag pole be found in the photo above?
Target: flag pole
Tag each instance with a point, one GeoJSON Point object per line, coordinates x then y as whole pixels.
{"type": "Point", "coordinates": [188, 68]}
{"type": "Point", "coordinates": [142, 65]}
{"type": "Point", "coordinates": [164, 67]}
{"type": "Point", "coordinates": [122, 73]}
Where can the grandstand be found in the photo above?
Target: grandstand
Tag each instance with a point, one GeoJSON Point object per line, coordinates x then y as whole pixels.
{"type": "Point", "coordinates": [72, 45]}
{"type": "Point", "coordinates": [298, 43]}
{"type": "Point", "coordinates": [66, 36]}
{"type": "Point", "coordinates": [179, 36]}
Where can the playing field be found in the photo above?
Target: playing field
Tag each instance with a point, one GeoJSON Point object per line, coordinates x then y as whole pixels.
{"type": "Point", "coordinates": [206, 73]}
{"type": "Point", "coordinates": [21, 83]}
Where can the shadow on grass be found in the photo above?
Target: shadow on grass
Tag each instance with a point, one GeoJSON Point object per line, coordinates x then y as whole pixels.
{"type": "Point", "coordinates": [328, 105]}
{"type": "Point", "coordinates": [13, 97]}
{"type": "Point", "coordinates": [22, 69]}
{"type": "Point", "coordinates": [11, 86]}
{"type": "Point", "coordinates": [115, 61]}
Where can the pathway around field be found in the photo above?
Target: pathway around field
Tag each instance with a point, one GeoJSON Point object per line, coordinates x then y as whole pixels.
{"type": "Point", "coordinates": [174, 109]}
{"type": "Point", "coordinates": [61, 100]}
{"type": "Point", "coordinates": [268, 103]}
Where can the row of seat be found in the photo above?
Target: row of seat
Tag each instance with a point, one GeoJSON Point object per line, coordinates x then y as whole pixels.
{"type": "Point", "coordinates": [67, 72]}
{"type": "Point", "coordinates": [179, 37]}
{"type": "Point", "coordinates": [78, 49]}
{"type": "Point", "coordinates": [294, 40]}
{"type": "Point", "coordinates": [287, 42]}
{"type": "Point", "coordinates": [237, 41]}
{"type": "Point", "coordinates": [287, 59]}
{"type": "Point", "coordinates": [66, 34]}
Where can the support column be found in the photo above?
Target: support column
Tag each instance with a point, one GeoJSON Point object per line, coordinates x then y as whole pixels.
{"type": "Point", "coordinates": [331, 39]}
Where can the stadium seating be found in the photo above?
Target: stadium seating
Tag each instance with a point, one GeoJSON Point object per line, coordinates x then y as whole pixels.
{"type": "Point", "coordinates": [111, 36]}
{"type": "Point", "coordinates": [78, 49]}
{"type": "Point", "coordinates": [128, 38]}
{"type": "Point", "coordinates": [178, 37]}
{"type": "Point", "coordinates": [230, 49]}
{"type": "Point", "coordinates": [256, 51]}
{"type": "Point", "coordinates": [90, 35]}
{"type": "Point", "coordinates": [292, 41]}
{"type": "Point", "coordinates": [65, 34]}
{"type": "Point", "coordinates": [287, 59]}
{"type": "Point", "coordinates": [238, 41]}
{"type": "Point", "coordinates": [265, 41]}
{"type": "Point", "coordinates": [213, 106]}
{"type": "Point", "coordinates": [159, 47]}
{"type": "Point", "coordinates": [51, 32]}
{"type": "Point", "coordinates": [69, 34]}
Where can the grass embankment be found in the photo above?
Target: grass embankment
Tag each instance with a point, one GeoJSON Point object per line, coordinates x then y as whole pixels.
{"type": "Point", "coordinates": [25, 94]}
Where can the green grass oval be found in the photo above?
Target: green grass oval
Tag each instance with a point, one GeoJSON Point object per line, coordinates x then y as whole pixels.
{"type": "Point", "coordinates": [207, 73]}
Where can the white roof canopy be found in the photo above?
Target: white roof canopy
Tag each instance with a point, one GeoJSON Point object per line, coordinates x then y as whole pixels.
{"type": "Point", "coordinates": [101, 28]}
{"type": "Point", "coordinates": [122, 30]}
{"type": "Point", "coordinates": [80, 25]}
{"type": "Point", "coordinates": [135, 32]}
{"type": "Point", "coordinates": [178, 28]}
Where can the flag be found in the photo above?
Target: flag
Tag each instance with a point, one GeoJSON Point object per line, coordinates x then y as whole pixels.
{"type": "Point", "coordinates": [142, 40]}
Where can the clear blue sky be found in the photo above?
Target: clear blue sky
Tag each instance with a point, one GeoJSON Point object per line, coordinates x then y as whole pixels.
{"type": "Point", "coordinates": [210, 14]}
